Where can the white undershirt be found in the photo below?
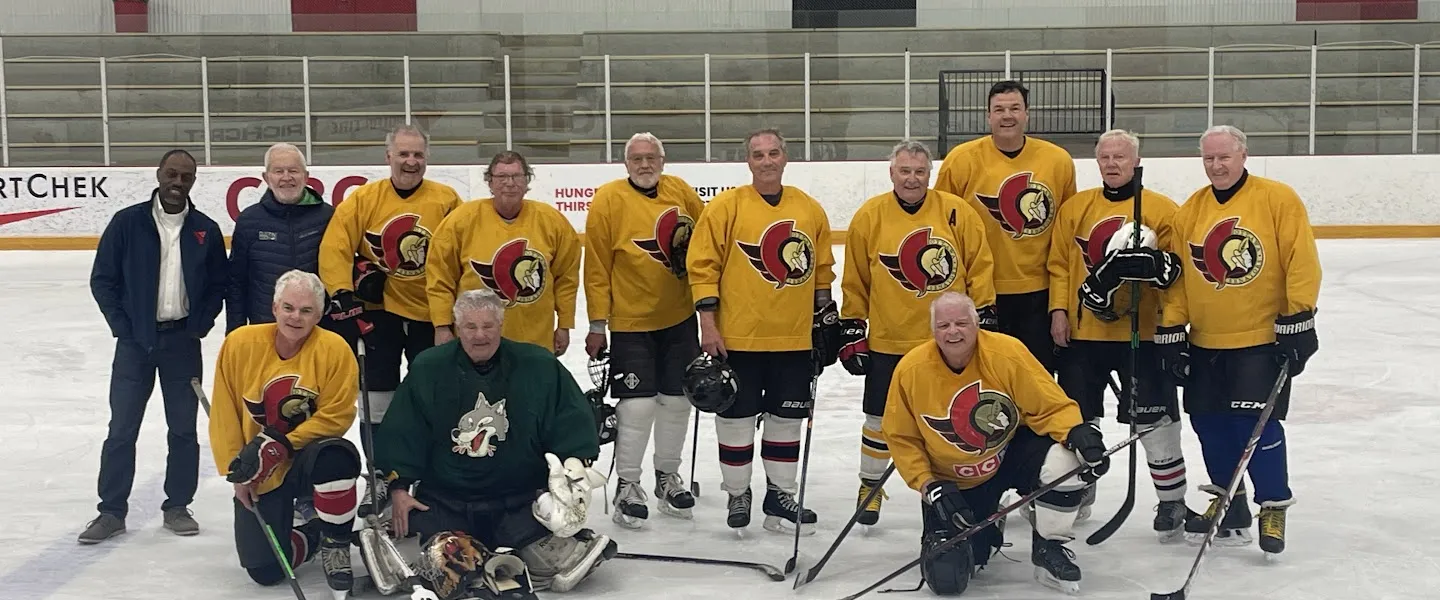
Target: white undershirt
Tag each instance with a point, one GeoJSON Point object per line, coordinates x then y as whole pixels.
{"type": "Point", "coordinates": [171, 303]}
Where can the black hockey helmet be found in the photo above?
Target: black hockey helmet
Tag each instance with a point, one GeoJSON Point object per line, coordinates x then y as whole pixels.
{"type": "Point", "coordinates": [710, 384]}
{"type": "Point", "coordinates": [599, 368]}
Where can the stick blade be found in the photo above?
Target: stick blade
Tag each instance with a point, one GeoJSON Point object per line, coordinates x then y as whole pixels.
{"type": "Point", "coordinates": [1175, 595]}
{"type": "Point", "coordinates": [804, 577]}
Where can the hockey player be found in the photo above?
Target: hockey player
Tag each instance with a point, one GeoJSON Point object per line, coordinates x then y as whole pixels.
{"type": "Point", "coordinates": [373, 262]}
{"type": "Point", "coordinates": [636, 238]}
{"type": "Point", "coordinates": [1249, 290]}
{"type": "Point", "coordinates": [1017, 184]}
{"type": "Point", "coordinates": [523, 250]}
{"type": "Point", "coordinates": [499, 438]}
{"type": "Point", "coordinates": [972, 414]}
{"type": "Point", "coordinates": [760, 262]}
{"type": "Point", "coordinates": [904, 247]}
{"type": "Point", "coordinates": [284, 397]}
{"type": "Point", "coordinates": [1090, 257]}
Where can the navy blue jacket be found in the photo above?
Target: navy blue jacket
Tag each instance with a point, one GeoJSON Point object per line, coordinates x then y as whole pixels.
{"type": "Point", "coordinates": [271, 238]}
{"type": "Point", "coordinates": [125, 279]}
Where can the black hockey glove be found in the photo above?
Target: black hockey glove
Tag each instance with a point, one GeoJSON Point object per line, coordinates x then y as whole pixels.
{"type": "Point", "coordinates": [679, 253]}
{"type": "Point", "coordinates": [344, 306]}
{"type": "Point", "coordinates": [1174, 347]}
{"type": "Point", "coordinates": [1295, 335]}
{"type": "Point", "coordinates": [1089, 447]}
{"type": "Point", "coordinates": [1097, 292]}
{"type": "Point", "coordinates": [989, 318]}
{"type": "Point", "coordinates": [854, 346]}
{"type": "Point", "coordinates": [259, 458]}
{"type": "Point", "coordinates": [369, 281]}
{"type": "Point", "coordinates": [945, 498]}
{"type": "Point", "coordinates": [825, 334]}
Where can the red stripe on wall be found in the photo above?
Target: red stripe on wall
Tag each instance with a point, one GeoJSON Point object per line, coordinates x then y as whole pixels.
{"type": "Point", "coordinates": [132, 16]}
{"type": "Point", "coordinates": [1356, 10]}
{"type": "Point", "coordinates": [352, 15]}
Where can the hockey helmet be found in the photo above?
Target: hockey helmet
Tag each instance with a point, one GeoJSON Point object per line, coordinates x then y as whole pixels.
{"type": "Point", "coordinates": [710, 384]}
{"type": "Point", "coordinates": [450, 563]}
{"type": "Point", "coordinates": [599, 369]}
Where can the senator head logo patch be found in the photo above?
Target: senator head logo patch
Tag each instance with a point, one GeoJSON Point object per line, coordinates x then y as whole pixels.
{"type": "Point", "coordinates": [400, 246]}
{"type": "Point", "coordinates": [1229, 255]}
{"type": "Point", "coordinates": [283, 403]}
{"type": "Point", "coordinates": [978, 420]}
{"type": "Point", "coordinates": [516, 272]}
{"type": "Point", "coordinates": [1093, 246]}
{"type": "Point", "coordinates": [672, 237]}
{"type": "Point", "coordinates": [783, 255]}
{"type": "Point", "coordinates": [922, 263]}
{"type": "Point", "coordinates": [1023, 206]}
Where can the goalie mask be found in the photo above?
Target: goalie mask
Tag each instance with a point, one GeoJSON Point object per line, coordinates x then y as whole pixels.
{"type": "Point", "coordinates": [710, 384]}
{"type": "Point", "coordinates": [450, 563]}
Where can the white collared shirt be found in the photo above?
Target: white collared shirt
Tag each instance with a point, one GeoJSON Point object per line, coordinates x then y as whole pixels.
{"type": "Point", "coordinates": [171, 304]}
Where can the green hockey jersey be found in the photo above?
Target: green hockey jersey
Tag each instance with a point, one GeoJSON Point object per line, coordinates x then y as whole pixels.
{"type": "Point", "coordinates": [483, 433]}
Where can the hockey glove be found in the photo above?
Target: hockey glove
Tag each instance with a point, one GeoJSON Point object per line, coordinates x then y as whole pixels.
{"type": "Point", "coordinates": [854, 346]}
{"type": "Point", "coordinates": [344, 306]}
{"type": "Point", "coordinates": [679, 253]}
{"type": "Point", "coordinates": [945, 498]}
{"type": "Point", "coordinates": [1089, 447]}
{"type": "Point", "coordinates": [564, 508]}
{"type": "Point", "coordinates": [369, 281]}
{"type": "Point", "coordinates": [259, 458]}
{"type": "Point", "coordinates": [1097, 292]}
{"type": "Point", "coordinates": [825, 332]}
{"type": "Point", "coordinates": [1296, 337]}
{"type": "Point", "coordinates": [1174, 348]}
{"type": "Point", "coordinates": [989, 318]}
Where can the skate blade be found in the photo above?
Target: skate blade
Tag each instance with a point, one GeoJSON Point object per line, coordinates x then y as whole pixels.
{"type": "Point", "coordinates": [339, 594]}
{"type": "Point", "coordinates": [1171, 536]}
{"type": "Point", "coordinates": [683, 514]}
{"type": "Point", "coordinates": [1234, 539]}
{"type": "Point", "coordinates": [779, 525]}
{"type": "Point", "coordinates": [631, 523]}
{"type": "Point", "coordinates": [1046, 579]}
{"type": "Point", "coordinates": [1272, 557]}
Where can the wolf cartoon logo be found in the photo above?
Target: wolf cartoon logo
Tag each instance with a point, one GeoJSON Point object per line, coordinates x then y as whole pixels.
{"type": "Point", "coordinates": [480, 428]}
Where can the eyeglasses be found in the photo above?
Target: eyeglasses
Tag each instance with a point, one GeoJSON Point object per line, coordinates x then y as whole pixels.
{"type": "Point", "coordinates": [504, 178]}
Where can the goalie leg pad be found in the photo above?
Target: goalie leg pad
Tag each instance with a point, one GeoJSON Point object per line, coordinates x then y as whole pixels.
{"type": "Point", "coordinates": [559, 564]}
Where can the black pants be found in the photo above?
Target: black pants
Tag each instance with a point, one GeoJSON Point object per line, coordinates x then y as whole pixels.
{"type": "Point", "coordinates": [1019, 470]}
{"type": "Point", "coordinates": [393, 336]}
{"type": "Point", "coordinates": [1085, 369]}
{"type": "Point", "coordinates": [330, 459]}
{"type": "Point", "coordinates": [1026, 317]}
{"type": "Point", "coordinates": [497, 522]}
{"type": "Point", "coordinates": [647, 363]}
{"type": "Point", "coordinates": [176, 357]}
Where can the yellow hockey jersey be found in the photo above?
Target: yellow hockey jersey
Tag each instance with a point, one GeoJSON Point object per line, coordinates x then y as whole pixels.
{"type": "Point", "coordinates": [391, 231]}
{"type": "Point", "coordinates": [896, 263]}
{"type": "Point", "coordinates": [764, 263]}
{"type": "Point", "coordinates": [307, 397]}
{"type": "Point", "coordinates": [1086, 223]}
{"type": "Point", "coordinates": [533, 264]}
{"type": "Point", "coordinates": [629, 247]}
{"type": "Point", "coordinates": [1246, 262]}
{"type": "Point", "coordinates": [954, 426]}
{"type": "Point", "coordinates": [1018, 198]}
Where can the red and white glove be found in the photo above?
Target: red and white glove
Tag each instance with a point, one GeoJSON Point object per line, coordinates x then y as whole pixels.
{"type": "Point", "coordinates": [854, 346]}
{"type": "Point", "coordinates": [259, 458]}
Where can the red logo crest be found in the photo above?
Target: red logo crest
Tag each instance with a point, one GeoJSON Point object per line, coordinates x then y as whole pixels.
{"type": "Point", "coordinates": [200, 237]}
{"type": "Point", "coordinates": [922, 263]}
{"type": "Point", "coordinates": [516, 272]}
{"type": "Point", "coordinates": [1023, 207]}
{"type": "Point", "coordinates": [783, 255]}
{"type": "Point", "coordinates": [400, 246]}
{"type": "Point", "coordinates": [978, 420]}
{"type": "Point", "coordinates": [1229, 255]}
{"type": "Point", "coordinates": [672, 231]}
{"type": "Point", "coordinates": [1094, 246]}
{"type": "Point", "coordinates": [283, 404]}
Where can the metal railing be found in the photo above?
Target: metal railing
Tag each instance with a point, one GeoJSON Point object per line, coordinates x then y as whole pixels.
{"type": "Point", "coordinates": [611, 96]}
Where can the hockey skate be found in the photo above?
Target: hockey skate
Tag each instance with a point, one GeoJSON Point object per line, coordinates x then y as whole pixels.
{"type": "Point", "coordinates": [675, 499]}
{"type": "Point", "coordinates": [1054, 565]}
{"type": "Point", "coordinates": [559, 564]}
{"type": "Point", "coordinates": [1170, 519]}
{"type": "Point", "coordinates": [335, 558]}
{"type": "Point", "coordinates": [630, 509]}
{"type": "Point", "coordinates": [1234, 527]}
{"type": "Point", "coordinates": [738, 508]}
{"type": "Point", "coordinates": [783, 514]}
{"type": "Point", "coordinates": [1272, 527]}
{"type": "Point", "coordinates": [871, 514]}
{"type": "Point", "coordinates": [381, 498]}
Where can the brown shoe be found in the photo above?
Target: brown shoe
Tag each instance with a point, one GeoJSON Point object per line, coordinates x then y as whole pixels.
{"type": "Point", "coordinates": [102, 528]}
{"type": "Point", "coordinates": [179, 521]}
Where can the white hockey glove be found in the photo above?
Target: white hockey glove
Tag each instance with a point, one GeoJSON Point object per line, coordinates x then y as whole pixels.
{"type": "Point", "coordinates": [563, 509]}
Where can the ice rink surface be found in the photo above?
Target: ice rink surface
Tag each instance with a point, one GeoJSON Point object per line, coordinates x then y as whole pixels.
{"type": "Point", "coordinates": [1363, 464]}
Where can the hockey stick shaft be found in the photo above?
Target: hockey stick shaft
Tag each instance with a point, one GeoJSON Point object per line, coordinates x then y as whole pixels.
{"type": "Point", "coordinates": [814, 571]}
{"type": "Point", "coordinates": [1235, 477]}
{"type": "Point", "coordinates": [365, 404]}
{"type": "Point", "coordinates": [694, 452]}
{"type": "Point", "coordinates": [804, 472]}
{"type": "Point", "coordinates": [773, 573]}
{"type": "Point", "coordinates": [968, 533]}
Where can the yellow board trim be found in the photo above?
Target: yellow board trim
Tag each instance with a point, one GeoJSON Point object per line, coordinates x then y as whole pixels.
{"type": "Point", "coordinates": [1324, 232]}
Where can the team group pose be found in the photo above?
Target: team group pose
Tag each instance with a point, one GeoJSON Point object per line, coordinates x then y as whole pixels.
{"type": "Point", "coordinates": [987, 314]}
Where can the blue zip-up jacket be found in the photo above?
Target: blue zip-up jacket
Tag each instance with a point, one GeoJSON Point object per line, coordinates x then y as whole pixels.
{"type": "Point", "coordinates": [271, 238]}
{"type": "Point", "coordinates": [125, 279]}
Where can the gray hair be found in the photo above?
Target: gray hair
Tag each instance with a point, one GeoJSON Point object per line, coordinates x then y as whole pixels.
{"type": "Point", "coordinates": [479, 299]}
{"type": "Point", "coordinates": [283, 147]}
{"type": "Point", "coordinates": [1233, 132]}
{"type": "Point", "coordinates": [1120, 134]}
{"type": "Point", "coordinates": [310, 282]}
{"type": "Point", "coordinates": [406, 129]}
{"type": "Point", "coordinates": [766, 131]}
{"type": "Point", "coordinates": [645, 137]}
{"type": "Point", "coordinates": [952, 297]}
{"type": "Point", "coordinates": [910, 147]}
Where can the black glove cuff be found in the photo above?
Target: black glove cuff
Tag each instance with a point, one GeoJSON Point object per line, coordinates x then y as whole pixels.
{"type": "Point", "coordinates": [710, 304]}
{"type": "Point", "coordinates": [1295, 324]}
{"type": "Point", "coordinates": [1174, 334]}
{"type": "Point", "coordinates": [279, 437]}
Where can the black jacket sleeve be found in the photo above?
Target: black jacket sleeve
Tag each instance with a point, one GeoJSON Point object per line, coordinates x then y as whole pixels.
{"type": "Point", "coordinates": [217, 271]}
{"type": "Point", "coordinates": [571, 431]}
{"type": "Point", "coordinates": [237, 286]}
{"type": "Point", "coordinates": [107, 278]}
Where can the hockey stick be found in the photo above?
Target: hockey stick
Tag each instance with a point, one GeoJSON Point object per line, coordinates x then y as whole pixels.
{"type": "Point", "coordinates": [694, 451]}
{"type": "Point", "coordinates": [977, 528]}
{"type": "Point", "coordinates": [1235, 479]}
{"type": "Point", "coordinates": [809, 574]}
{"type": "Point", "coordinates": [804, 469]}
{"type": "Point", "coordinates": [1128, 505]}
{"type": "Point", "coordinates": [255, 507]}
{"type": "Point", "coordinates": [773, 573]}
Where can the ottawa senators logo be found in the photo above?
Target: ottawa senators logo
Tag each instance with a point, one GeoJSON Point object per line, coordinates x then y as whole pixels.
{"type": "Point", "coordinates": [283, 404]}
{"type": "Point", "coordinates": [400, 246]}
{"type": "Point", "coordinates": [516, 272]}
{"type": "Point", "coordinates": [1094, 247]}
{"type": "Point", "coordinates": [922, 264]}
{"type": "Point", "coordinates": [978, 420]}
{"type": "Point", "coordinates": [1024, 207]}
{"type": "Point", "coordinates": [672, 233]}
{"type": "Point", "coordinates": [784, 255]}
{"type": "Point", "coordinates": [1230, 255]}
